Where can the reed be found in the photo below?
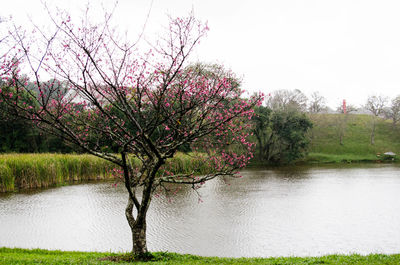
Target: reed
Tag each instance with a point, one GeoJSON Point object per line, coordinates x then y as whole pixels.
{"type": "Point", "coordinates": [188, 163]}
{"type": "Point", "coordinates": [26, 171]}
{"type": "Point", "coordinates": [29, 171]}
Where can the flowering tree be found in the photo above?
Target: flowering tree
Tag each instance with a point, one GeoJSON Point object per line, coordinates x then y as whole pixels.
{"type": "Point", "coordinates": [147, 104]}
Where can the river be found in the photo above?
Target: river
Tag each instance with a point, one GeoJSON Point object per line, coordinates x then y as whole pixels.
{"type": "Point", "coordinates": [289, 211]}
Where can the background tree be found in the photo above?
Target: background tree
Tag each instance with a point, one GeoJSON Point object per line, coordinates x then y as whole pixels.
{"type": "Point", "coordinates": [281, 135]}
{"type": "Point", "coordinates": [16, 132]}
{"type": "Point", "coordinates": [147, 104]}
{"type": "Point", "coordinates": [262, 130]}
{"type": "Point", "coordinates": [393, 112]}
{"type": "Point", "coordinates": [375, 104]}
{"type": "Point", "coordinates": [317, 103]}
{"type": "Point", "coordinates": [287, 100]}
{"type": "Point", "coordinates": [342, 120]}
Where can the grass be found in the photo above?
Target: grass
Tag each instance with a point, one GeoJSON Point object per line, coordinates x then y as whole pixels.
{"type": "Point", "coordinates": [38, 256]}
{"type": "Point", "coordinates": [25, 171]}
{"type": "Point", "coordinates": [188, 163]}
{"type": "Point", "coordinates": [340, 158]}
{"type": "Point", "coordinates": [356, 147]}
{"type": "Point", "coordinates": [28, 171]}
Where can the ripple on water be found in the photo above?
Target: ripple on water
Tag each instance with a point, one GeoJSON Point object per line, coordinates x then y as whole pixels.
{"type": "Point", "coordinates": [274, 212]}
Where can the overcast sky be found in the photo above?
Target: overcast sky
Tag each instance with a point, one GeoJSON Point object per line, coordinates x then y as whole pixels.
{"type": "Point", "coordinates": [345, 49]}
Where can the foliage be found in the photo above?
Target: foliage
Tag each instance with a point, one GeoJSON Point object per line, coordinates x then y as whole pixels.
{"type": "Point", "coordinates": [281, 135]}
{"type": "Point", "coordinates": [16, 131]}
{"type": "Point", "coordinates": [54, 257]}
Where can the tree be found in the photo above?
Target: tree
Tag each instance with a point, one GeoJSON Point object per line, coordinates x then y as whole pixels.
{"type": "Point", "coordinates": [393, 112]}
{"type": "Point", "coordinates": [287, 99]}
{"type": "Point", "coordinates": [261, 129]}
{"type": "Point", "coordinates": [148, 105]}
{"type": "Point", "coordinates": [317, 103]}
{"type": "Point", "coordinates": [342, 120]}
{"type": "Point", "coordinates": [281, 135]}
{"type": "Point", "coordinates": [375, 104]}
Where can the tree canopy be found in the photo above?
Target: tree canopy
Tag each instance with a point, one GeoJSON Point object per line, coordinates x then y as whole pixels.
{"type": "Point", "coordinates": [148, 105]}
{"type": "Point", "coordinates": [281, 135]}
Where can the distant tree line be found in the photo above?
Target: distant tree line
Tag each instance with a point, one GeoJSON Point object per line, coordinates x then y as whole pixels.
{"type": "Point", "coordinates": [281, 127]}
{"type": "Point", "coordinates": [21, 135]}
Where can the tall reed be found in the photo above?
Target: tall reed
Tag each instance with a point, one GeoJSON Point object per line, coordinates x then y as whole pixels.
{"type": "Point", "coordinates": [27, 171]}
{"type": "Point", "coordinates": [24, 171]}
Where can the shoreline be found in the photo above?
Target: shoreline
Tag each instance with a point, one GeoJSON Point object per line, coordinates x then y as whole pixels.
{"type": "Point", "coordinates": [25, 172]}
{"type": "Point", "coordinates": [315, 159]}
{"type": "Point", "coordinates": [34, 256]}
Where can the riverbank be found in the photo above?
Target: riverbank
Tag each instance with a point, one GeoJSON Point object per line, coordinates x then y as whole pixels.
{"type": "Point", "coordinates": [326, 159]}
{"type": "Point", "coordinates": [31, 171]}
{"type": "Point", "coordinates": [323, 158]}
{"type": "Point", "coordinates": [25, 256]}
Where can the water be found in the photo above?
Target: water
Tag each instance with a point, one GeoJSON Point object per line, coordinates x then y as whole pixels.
{"type": "Point", "coordinates": [298, 211]}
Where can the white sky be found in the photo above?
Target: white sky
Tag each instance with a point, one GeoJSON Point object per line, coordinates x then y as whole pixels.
{"type": "Point", "coordinates": [345, 49]}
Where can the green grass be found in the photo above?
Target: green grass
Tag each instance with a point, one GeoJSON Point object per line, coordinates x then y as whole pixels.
{"type": "Point", "coordinates": [37, 256]}
{"type": "Point", "coordinates": [340, 158]}
{"type": "Point", "coordinates": [325, 146]}
{"type": "Point", "coordinates": [188, 163]}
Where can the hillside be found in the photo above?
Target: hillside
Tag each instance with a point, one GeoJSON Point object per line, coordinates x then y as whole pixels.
{"type": "Point", "coordinates": [356, 131]}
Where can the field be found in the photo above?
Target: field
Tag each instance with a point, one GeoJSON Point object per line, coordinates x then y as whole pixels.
{"type": "Point", "coordinates": [356, 131]}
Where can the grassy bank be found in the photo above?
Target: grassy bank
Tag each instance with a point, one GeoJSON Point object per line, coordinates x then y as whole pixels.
{"type": "Point", "coordinates": [23, 256]}
{"type": "Point", "coordinates": [28, 171]}
{"type": "Point", "coordinates": [356, 131]}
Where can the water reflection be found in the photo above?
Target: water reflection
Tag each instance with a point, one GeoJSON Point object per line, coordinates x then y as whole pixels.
{"type": "Point", "coordinates": [269, 212]}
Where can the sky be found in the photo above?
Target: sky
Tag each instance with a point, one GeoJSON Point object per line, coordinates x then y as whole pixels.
{"type": "Point", "coordinates": [345, 49]}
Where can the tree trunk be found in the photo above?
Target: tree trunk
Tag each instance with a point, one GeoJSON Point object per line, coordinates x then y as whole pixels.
{"type": "Point", "coordinates": [260, 146]}
{"type": "Point", "coordinates": [373, 133]}
{"type": "Point", "coordinates": [138, 229]}
{"type": "Point", "coordinates": [138, 224]}
{"type": "Point", "coordinates": [139, 238]}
